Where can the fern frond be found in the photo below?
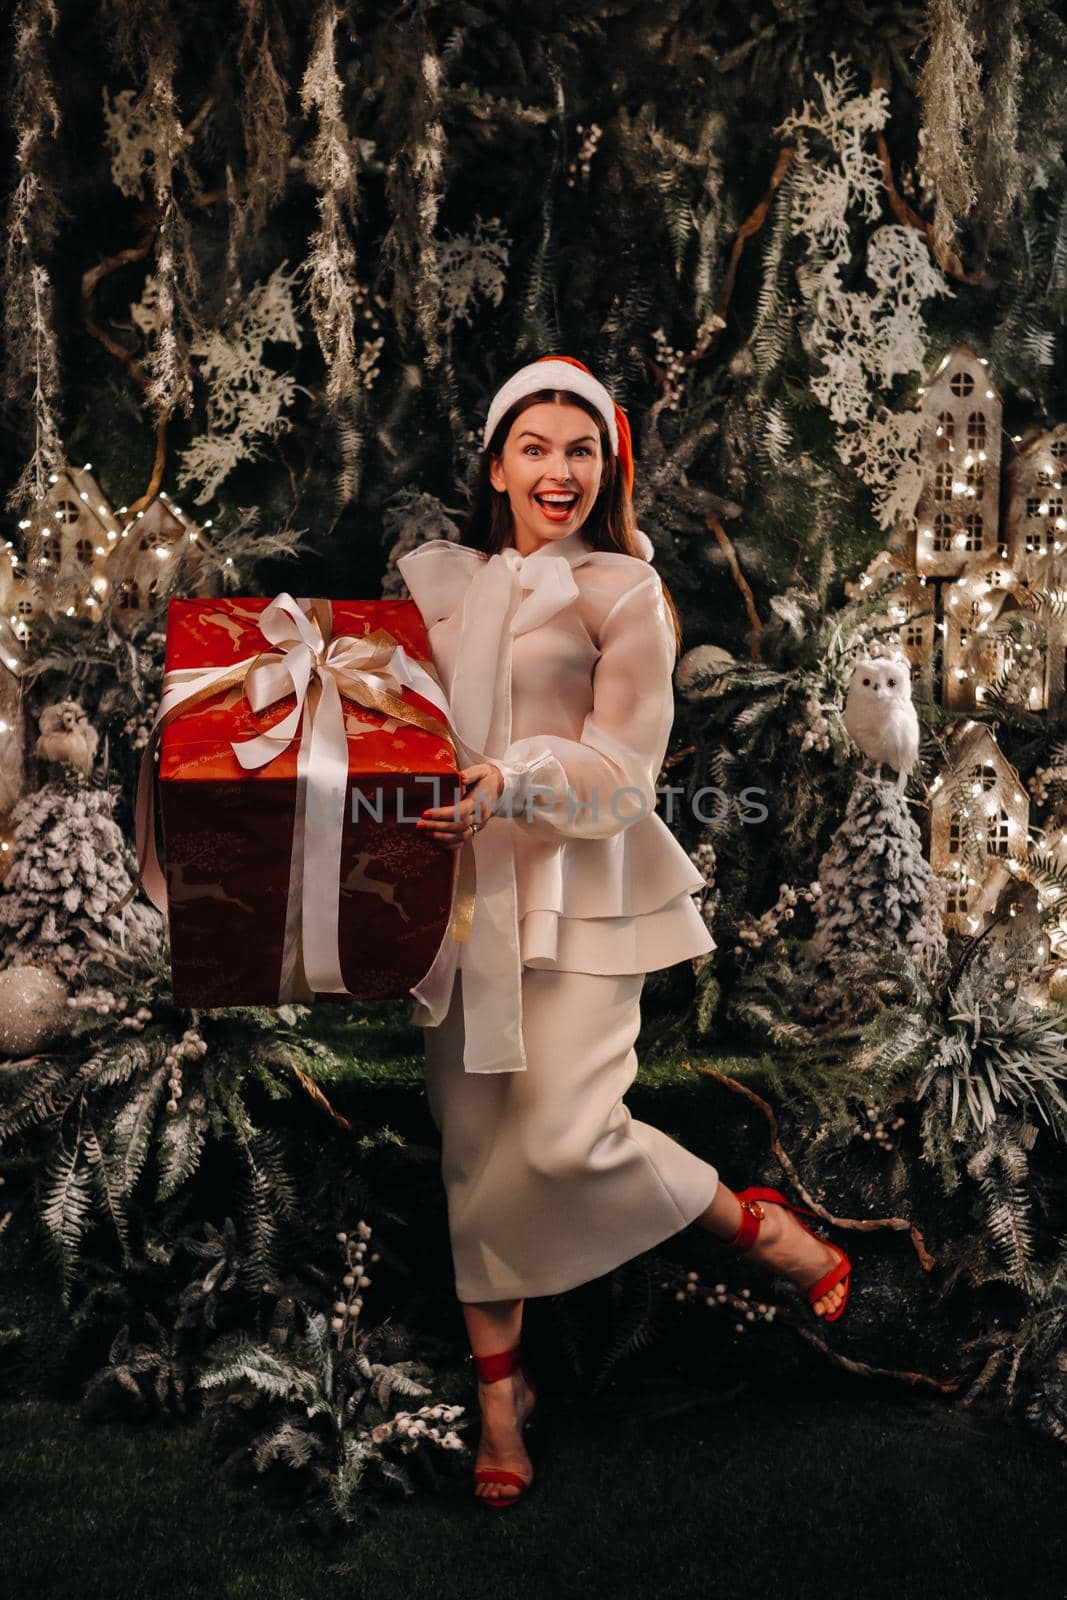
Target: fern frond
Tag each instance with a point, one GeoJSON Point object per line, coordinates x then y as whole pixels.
{"type": "Point", "coordinates": [66, 1207]}
{"type": "Point", "coordinates": [131, 1131]}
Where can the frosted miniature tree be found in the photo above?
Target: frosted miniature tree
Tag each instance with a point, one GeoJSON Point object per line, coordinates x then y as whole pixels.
{"type": "Point", "coordinates": [70, 863]}
{"type": "Point", "coordinates": [879, 895]}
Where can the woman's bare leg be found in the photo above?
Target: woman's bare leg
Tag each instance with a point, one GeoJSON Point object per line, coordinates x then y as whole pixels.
{"type": "Point", "coordinates": [782, 1245]}
{"type": "Point", "coordinates": [493, 1326]}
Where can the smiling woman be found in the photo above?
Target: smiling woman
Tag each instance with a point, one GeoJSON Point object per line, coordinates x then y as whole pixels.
{"type": "Point", "coordinates": [553, 464]}
{"type": "Point", "coordinates": [555, 643]}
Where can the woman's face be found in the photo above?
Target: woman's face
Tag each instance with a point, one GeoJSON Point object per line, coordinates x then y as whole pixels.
{"type": "Point", "coordinates": [550, 469]}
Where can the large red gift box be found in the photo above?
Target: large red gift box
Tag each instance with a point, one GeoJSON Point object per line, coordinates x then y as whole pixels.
{"type": "Point", "coordinates": [233, 880]}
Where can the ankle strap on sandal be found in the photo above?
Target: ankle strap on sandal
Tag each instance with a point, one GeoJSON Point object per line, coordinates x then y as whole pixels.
{"type": "Point", "coordinates": [490, 1368]}
{"type": "Point", "coordinates": [751, 1217]}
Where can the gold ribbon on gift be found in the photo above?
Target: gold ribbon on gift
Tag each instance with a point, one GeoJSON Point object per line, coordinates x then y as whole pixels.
{"type": "Point", "coordinates": [307, 661]}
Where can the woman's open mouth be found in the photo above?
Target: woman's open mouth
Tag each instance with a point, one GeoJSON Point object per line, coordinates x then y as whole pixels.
{"type": "Point", "coordinates": [557, 507]}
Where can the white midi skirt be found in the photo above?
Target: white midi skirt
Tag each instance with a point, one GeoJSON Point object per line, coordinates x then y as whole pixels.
{"type": "Point", "coordinates": [550, 1181]}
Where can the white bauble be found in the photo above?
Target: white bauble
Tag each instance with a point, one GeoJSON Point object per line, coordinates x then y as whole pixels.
{"type": "Point", "coordinates": [697, 665]}
{"type": "Point", "coordinates": [33, 1009]}
{"type": "Point", "coordinates": [879, 714]}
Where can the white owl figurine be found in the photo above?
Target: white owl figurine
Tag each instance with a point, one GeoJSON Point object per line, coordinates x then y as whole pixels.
{"type": "Point", "coordinates": [67, 736]}
{"type": "Point", "coordinates": [879, 714]}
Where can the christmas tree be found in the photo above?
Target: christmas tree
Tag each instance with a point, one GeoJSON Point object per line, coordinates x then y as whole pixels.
{"type": "Point", "coordinates": [879, 896]}
{"type": "Point", "coordinates": [71, 866]}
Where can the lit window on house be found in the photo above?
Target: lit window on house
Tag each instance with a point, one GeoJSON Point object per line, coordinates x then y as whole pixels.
{"type": "Point", "coordinates": [66, 511]}
{"type": "Point", "coordinates": [942, 531]}
{"type": "Point", "coordinates": [961, 384]}
{"type": "Point", "coordinates": [947, 423]}
{"type": "Point", "coordinates": [997, 835]}
{"type": "Point", "coordinates": [943, 482]}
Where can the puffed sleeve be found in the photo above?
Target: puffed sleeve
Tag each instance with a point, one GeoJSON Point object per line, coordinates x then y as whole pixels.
{"type": "Point", "coordinates": [595, 786]}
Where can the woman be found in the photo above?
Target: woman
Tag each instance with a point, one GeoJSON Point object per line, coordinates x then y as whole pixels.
{"type": "Point", "coordinates": [555, 642]}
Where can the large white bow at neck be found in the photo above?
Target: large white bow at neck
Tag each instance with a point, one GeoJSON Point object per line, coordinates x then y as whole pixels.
{"type": "Point", "coordinates": [507, 595]}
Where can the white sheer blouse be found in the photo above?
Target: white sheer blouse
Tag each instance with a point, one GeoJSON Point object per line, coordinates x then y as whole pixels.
{"type": "Point", "coordinates": [558, 669]}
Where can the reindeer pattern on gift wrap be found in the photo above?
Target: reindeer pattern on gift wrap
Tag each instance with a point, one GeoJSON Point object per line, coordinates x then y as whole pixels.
{"type": "Point", "coordinates": [179, 892]}
{"type": "Point", "coordinates": [358, 882]}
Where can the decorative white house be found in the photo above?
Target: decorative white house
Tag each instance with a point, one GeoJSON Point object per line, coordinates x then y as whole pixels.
{"type": "Point", "coordinates": [909, 604]}
{"type": "Point", "coordinates": [957, 514]}
{"type": "Point", "coordinates": [12, 742]}
{"type": "Point", "coordinates": [991, 628]}
{"type": "Point", "coordinates": [77, 529]}
{"type": "Point", "coordinates": [18, 603]}
{"type": "Point", "coordinates": [144, 547]}
{"type": "Point", "coordinates": [979, 817]}
{"type": "Point", "coordinates": [90, 552]}
{"type": "Point", "coordinates": [1037, 504]}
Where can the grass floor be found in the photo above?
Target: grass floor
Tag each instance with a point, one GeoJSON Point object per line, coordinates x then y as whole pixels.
{"type": "Point", "coordinates": [844, 1494]}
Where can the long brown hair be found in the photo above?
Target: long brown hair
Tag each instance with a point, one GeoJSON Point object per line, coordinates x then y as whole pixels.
{"type": "Point", "coordinates": [610, 525]}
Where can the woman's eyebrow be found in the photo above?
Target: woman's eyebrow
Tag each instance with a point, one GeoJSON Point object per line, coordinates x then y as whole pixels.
{"type": "Point", "coordinates": [528, 433]}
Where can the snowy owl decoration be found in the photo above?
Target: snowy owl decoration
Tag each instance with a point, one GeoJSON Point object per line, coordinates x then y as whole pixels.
{"type": "Point", "coordinates": [879, 714]}
{"type": "Point", "coordinates": [67, 737]}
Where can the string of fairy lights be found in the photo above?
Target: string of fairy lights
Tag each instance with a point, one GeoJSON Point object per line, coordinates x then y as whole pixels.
{"type": "Point", "coordinates": [59, 515]}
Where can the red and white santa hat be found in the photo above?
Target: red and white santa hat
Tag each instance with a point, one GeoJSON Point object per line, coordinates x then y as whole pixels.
{"type": "Point", "coordinates": [566, 372]}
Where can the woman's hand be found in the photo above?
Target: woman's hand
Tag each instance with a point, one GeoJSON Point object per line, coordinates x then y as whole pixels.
{"type": "Point", "coordinates": [454, 825]}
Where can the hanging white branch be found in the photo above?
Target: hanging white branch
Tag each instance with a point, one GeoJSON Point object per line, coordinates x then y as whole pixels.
{"type": "Point", "coordinates": [247, 398]}
{"type": "Point", "coordinates": [861, 339]}
{"type": "Point", "coordinates": [31, 376]}
{"type": "Point", "coordinates": [470, 265]}
{"type": "Point", "coordinates": [332, 167]}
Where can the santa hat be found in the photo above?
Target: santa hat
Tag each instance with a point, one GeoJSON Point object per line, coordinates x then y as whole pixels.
{"type": "Point", "coordinates": [566, 372]}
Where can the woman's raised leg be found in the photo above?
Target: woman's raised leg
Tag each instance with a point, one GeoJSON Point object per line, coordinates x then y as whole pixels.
{"type": "Point", "coordinates": [782, 1245]}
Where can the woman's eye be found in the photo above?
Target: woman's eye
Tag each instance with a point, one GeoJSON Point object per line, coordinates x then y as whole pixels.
{"type": "Point", "coordinates": [583, 447]}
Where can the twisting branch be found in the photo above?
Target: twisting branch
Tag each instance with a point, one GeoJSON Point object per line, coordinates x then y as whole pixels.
{"type": "Point", "coordinates": [781, 1155]}
{"type": "Point", "coordinates": [124, 357]}
{"type": "Point", "coordinates": [863, 1370]}
{"type": "Point", "coordinates": [692, 1288]}
{"type": "Point", "coordinates": [751, 225]}
{"type": "Point", "coordinates": [317, 1095]}
{"type": "Point", "coordinates": [943, 254]}
{"type": "Point", "coordinates": [152, 217]}
{"type": "Point", "coordinates": [726, 546]}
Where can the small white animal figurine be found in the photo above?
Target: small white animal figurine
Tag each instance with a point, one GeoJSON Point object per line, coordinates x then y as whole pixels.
{"type": "Point", "coordinates": [67, 736]}
{"type": "Point", "coordinates": [879, 714]}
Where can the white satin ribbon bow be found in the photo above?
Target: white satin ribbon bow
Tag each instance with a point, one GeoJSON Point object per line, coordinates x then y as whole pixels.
{"type": "Point", "coordinates": [505, 596]}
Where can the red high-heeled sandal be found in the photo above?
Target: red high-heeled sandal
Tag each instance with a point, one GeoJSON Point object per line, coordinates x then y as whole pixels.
{"type": "Point", "coordinates": [752, 1201]}
{"type": "Point", "coordinates": [490, 1368]}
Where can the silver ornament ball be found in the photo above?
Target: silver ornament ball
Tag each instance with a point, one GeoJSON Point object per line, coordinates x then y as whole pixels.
{"type": "Point", "coordinates": [33, 1009]}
